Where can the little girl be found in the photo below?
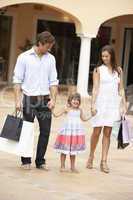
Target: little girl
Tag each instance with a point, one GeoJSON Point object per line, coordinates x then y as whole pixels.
{"type": "Point", "coordinates": [71, 138]}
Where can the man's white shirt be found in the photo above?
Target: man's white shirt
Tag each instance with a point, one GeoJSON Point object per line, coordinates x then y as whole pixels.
{"type": "Point", "coordinates": [36, 75]}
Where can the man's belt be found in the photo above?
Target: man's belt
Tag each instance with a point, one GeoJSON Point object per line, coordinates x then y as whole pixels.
{"type": "Point", "coordinates": [40, 97]}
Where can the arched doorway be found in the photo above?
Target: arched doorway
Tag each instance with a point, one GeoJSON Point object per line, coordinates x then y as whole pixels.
{"type": "Point", "coordinates": [118, 32]}
{"type": "Point", "coordinates": [29, 19]}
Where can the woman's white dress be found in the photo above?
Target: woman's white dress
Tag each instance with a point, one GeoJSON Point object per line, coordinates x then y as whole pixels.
{"type": "Point", "coordinates": [108, 99]}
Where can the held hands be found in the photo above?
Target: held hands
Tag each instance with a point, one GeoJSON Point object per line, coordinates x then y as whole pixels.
{"type": "Point", "coordinates": [93, 111]}
{"type": "Point", "coordinates": [51, 104]}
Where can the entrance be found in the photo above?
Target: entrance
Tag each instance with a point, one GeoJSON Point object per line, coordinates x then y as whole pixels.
{"type": "Point", "coordinates": [128, 56]}
{"type": "Point", "coordinates": [66, 49]}
{"type": "Point", "coordinates": [5, 41]}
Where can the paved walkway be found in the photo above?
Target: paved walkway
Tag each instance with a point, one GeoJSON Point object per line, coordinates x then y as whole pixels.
{"type": "Point", "coordinates": [17, 184]}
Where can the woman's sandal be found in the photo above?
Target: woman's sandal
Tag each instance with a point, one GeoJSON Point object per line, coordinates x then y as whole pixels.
{"type": "Point", "coordinates": [63, 169]}
{"type": "Point", "coordinates": [74, 171]}
{"type": "Point", "coordinates": [89, 164]}
{"type": "Point", "coordinates": [104, 167]}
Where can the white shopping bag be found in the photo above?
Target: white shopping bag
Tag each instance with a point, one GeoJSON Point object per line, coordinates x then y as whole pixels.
{"type": "Point", "coordinates": [125, 131]}
{"type": "Point", "coordinates": [130, 126]}
{"type": "Point", "coordinates": [25, 145]}
{"type": "Point", "coordinates": [115, 128]}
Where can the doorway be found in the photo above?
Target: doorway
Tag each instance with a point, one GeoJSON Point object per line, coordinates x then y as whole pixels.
{"type": "Point", "coordinates": [66, 49]}
{"type": "Point", "coordinates": [127, 60]}
{"type": "Point", "coordinates": [5, 41]}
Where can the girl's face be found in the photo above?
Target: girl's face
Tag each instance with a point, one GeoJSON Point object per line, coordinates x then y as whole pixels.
{"type": "Point", "coordinates": [106, 57]}
{"type": "Point", "coordinates": [75, 103]}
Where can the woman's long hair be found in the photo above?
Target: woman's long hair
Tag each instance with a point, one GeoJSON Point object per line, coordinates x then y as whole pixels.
{"type": "Point", "coordinates": [111, 51]}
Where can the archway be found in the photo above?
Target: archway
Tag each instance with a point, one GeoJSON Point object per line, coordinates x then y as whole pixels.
{"type": "Point", "coordinates": [30, 19]}
{"type": "Point", "coordinates": [117, 32]}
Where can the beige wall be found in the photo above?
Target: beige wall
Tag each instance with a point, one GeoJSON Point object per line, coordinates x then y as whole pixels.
{"type": "Point", "coordinates": [88, 14]}
{"type": "Point", "coordinates": [25, 23]}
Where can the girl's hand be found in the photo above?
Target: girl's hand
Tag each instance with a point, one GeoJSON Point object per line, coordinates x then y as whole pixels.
{"type": "Point", "coordinates": [51, 104]}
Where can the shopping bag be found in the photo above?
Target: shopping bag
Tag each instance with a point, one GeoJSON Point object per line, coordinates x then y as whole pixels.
{"type": "Point", "coordinates": [115, 129]}
{"type": "Point", "coordinates": [121, 145]}
{"type": "Point", "coordinates": [130, 127]}
{"type": "Point", "coordinates": [125, 131]}
{"type": "Point", "coordinates": [23, 147]}
{"type": "Point", "coordinates": [12, 128]}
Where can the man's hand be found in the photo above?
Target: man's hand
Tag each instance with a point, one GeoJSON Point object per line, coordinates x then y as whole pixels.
{"type": "Point", "coordinates": [53, 94]}
{"type": "Point", "coordinates": [51, 104]}
{"type": "Point", "coordinates": [18, 106]}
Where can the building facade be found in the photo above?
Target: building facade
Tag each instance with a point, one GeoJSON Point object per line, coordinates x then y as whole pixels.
{"type": "Point", "coordinates": [80, 28]}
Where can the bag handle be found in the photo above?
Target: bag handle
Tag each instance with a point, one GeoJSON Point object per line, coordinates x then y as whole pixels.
{"type": "Point", "coordinates": [123, 117]}
{"type": "Point", "coordinates": [17, 114]}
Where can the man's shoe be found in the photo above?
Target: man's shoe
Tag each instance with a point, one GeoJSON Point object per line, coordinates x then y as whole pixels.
{"type": "Point", "coordinates": [42, 167]}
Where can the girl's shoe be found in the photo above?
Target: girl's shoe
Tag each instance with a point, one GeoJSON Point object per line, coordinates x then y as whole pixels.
{"type": "Point", "coordinates": [89, 164]}
{"type": "Point", "coordinates": [104, 167]}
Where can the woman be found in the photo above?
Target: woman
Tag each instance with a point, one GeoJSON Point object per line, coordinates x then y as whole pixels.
{"type": "Point", "coordinates": [107, 96]}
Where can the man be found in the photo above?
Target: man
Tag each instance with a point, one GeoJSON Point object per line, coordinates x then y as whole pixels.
{"type": "Point", "coordinates": [35, 77]}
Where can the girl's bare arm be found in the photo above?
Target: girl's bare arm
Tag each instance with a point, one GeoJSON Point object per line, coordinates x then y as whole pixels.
{"type": "Point", "coordinates": [59, 113]}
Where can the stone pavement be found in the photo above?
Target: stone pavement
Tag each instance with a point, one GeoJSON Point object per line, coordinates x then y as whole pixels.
{"type": "Point", "coordinates": [17, 184]}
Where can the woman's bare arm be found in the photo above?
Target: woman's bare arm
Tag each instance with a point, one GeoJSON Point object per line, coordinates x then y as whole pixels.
{"type": "Point", "coordinates": [122, 90]}
{"type": "Point", "coordinates": [82, 117]}
{"type": "Point", "coordinates": [95, 89]}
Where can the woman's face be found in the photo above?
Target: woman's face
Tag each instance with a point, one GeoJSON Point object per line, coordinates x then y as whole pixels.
{"type": "Point", "coordinates": [106, 58]}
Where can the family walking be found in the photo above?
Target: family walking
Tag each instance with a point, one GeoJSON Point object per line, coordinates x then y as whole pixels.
{"type": "Point", "coordinates": [35, 79]}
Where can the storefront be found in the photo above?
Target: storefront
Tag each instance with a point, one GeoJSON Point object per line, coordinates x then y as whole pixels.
{"type": "Point", "coordinates": [80, 34]}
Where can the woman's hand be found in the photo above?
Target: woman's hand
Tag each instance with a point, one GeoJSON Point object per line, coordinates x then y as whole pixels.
{"type": "Point", "coordinates": [93, 111]}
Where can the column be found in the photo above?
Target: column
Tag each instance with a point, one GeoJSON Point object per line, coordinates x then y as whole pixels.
{"type": "Point", "coordinates": [84, 64]}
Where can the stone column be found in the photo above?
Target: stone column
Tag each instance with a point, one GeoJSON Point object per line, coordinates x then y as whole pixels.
{"type": "Point", "coordinates": [84, 64]}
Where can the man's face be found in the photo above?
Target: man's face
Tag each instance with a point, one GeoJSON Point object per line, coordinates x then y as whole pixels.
{"type": "Point", "coordinates": [43, 48]}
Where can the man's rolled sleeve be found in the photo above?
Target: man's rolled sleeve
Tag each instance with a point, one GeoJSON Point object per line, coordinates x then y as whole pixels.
{"type": "Point", "coordinates": [19, 71]}
{"type": "Point", "coordinates": [53, 74]}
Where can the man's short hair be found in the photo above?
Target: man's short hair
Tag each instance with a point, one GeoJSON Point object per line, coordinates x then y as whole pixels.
{"type": "Point", "coordinates": [45, 37]}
